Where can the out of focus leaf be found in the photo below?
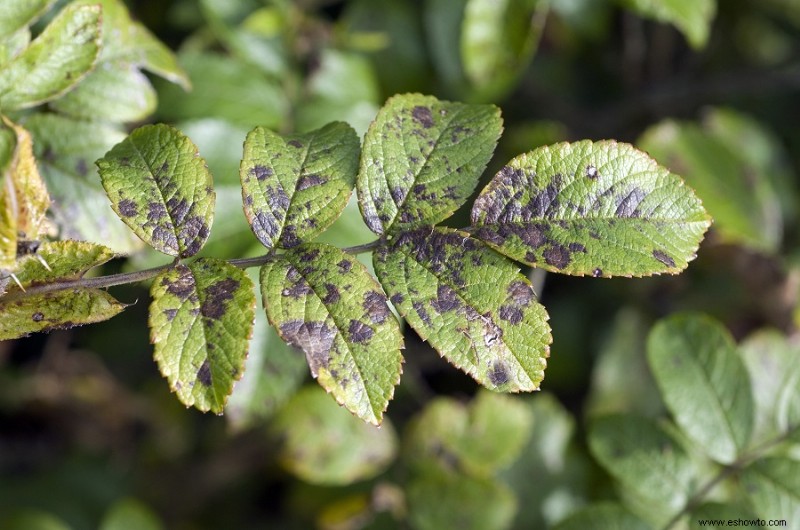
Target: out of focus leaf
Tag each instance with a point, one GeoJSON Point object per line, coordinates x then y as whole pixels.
{"type": "Point", "coordinates": [422, 158]}
{"type": "Point", "coordinates": [325, 444]}
{"type": "Point", "coordinates": [57, 310]}
{"type": "Point", "coordinates": [200, 321]}
{"type": "Point", "coordinates": [65, 149]}
{"type": "Point", "coordinates": [603, 516]}
{"type": "Point", "coordinates": [703, 382]}
{"type": "Point", "coordinates": [129, 514]}
{"type": "Point", "coordinates": [16, 14]}
{"type": "Point", "coordinates": [692, 17]}
{"type": "Point", "coordinates": [473, 305]}
{"type": "Point", "coordinates": [161, 188]}
{"type": "Point", "coordinates": [644, 459]}
{"type": "Point", "coordinates": [33, 520]}
{"type": "Point", "coordinates": [324, 302]}
{"type": "Point", "coordinates": [55, 61]}
{"type": "Point", "coordinates": [772, 486]}
{"type": "Point", "coordinates": [12, 45]}
{"type": "Point", "coordinates": [591, 208]}
{"type": "Point", "coordinates": [443, 22]}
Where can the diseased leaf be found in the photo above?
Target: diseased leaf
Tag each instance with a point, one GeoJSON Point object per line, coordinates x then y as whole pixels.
{"type": "Point", "coordinates": [772, 486]}
{"type": "Point", "coordinates": [602, 516]}
{"type": "Point", "coordinates": [703, 383]}
{"type": "Point", "coordinates": [64, 150]}
{"type": "Point", "coordinates": [8, 226]}
{"type": "Point", "coordinates": [67, 260]}
{"type": "Point", "coordinates": [161, 188]}
{"type": "Point", "coordinates": [736, 189]}
{"type": "Point", "coordinates": [644, 459]}
{"type": "Point", "coordinates": [422, 158]}
{"type": "Point", "coordinates": [324, 444]}
{"type": "Point", "coordinates": [324, 302]}
{"type": "Point", "coordinates": [55, 61]}
{"type": "Point", "coordinates": [295, 188]}
{"type": "Point", "coordinates": [498, 40]}
{"type": "Point", "coordinates": [480, 503]}
{"type": "Point", "coordinates": [771, 361]}
{"type": "Point", "coordinates": [473, 306]}
{"type": "Point", "coordinates": [16, 14]}
{"type": "Point", "coordinates": [57, 310]}
{"type": "Point", "coordinates": [591, 208]}
{"type": "Point", "coordinates": [692, 17]}
{"type": "Point", "coordinates": [200, 321]}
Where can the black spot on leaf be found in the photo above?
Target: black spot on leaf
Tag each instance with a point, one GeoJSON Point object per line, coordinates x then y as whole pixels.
{"type": "Point", "coordinates": [170, 314]}
{"type": "Point", "coordinates": [627, 205]}
{"type": "Point", "coordinates": [193, 233]}
{"type": "Point", "coordinates": [265, 225]}
{"type": "Point", "coordinates": [204, 373]}
{"type": "Point", "coordinates": [498, 375]}
{"type": "Point", "coordinates": [295, 143]}
{"type": "Point", "coordinates": [155, 212]}
{"type": "Point", "coordinates": [520, 293]}
{"type": "Point", "coordinates": [421, 312]}
{"type": "Point", "coordinates": [37, 317]}
{"type": "Point", "coordinates": [301, 288]}
{"type": "Point", "coordinates": [423, 116]}
{"type": "Point", "coordinates": [177, 209]}
{"type": "Point", "coordinates": [261, 172]}
{"type": "Point", "coordinates": [597, 273]}
{"type": "Point", "coordinates": [591, 172]}
{"type": "Point", "coordinates": [375, 306]}
{"type": "Point", "coordinates": [332, 294]}
{"type": "Point", "coordinates": [309, 256]}
{"type": "Point", "coordinates": [577, 247]}
{"type": "Point", "coordinates": [307, 181]}
{"type": "Point", "coordinates": [314, 338]}
{"type": "Point", "coordinates": [557, 255]}
{"type": "Point", "coordinates": [344, 266]}
{"type": "Point", "coordinates": [663, 258]}
{"type": "Point", "coordinates": [397, 299]}
{"type": "Point", "coordinates": [510, 314]}
{"type": "Point", "coordinates": [127, 208]}
{"type": "Point", "coordinates": [183, 286]}
{"type": "Point", "coordinates": [446, 299]}
{"type": "Point", "coordinates": [359, 332]}
{"type": "Point", "coordinates": [216, 295]}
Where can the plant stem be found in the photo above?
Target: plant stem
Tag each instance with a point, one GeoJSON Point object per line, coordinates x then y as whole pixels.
{"type": "Point", "coordinates": [100, 282]}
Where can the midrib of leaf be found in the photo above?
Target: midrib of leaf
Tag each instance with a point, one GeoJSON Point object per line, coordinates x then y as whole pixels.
{"type": "Point", "coordinates": [294, 191]}
{"type": "Point", "coordinates": [363, 385]}
{"type": "Point", "coordinates": [160, 194]}
{"type": "Point", "coordinates": [776, 484]}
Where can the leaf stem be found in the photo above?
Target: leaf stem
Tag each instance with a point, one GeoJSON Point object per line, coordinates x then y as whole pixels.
{"type": "Point", "coordinates": [100, 282]}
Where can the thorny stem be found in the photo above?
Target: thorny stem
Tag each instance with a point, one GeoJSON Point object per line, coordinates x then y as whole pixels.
{"type": "Point", "coordinates": [100, 282]}
{"type": "Point", "coordinates": [728, 470]}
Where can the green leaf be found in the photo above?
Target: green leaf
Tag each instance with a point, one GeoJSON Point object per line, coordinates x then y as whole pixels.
{"type": "Point", "coordinates": [226, 88]}
{"type": "Point", "coordinates": [703, 383]}
{"type": "Point", "coordinates": [422, 158]}
{"type": "Point", "coordinates": [602, 516]}
{"type": "Point", "coordinates": [692, 17]}
{"type": "Point", "coordinates": [272, 374]}
{"type": "Point", "coordinates": [324, 302]}
{"type": "Point", "coordinates": [57, 310]}
{"type": "Point", "coordinates": [771, 361]}
{"type": "Point", "coordinates": [473, 306]}
{"type": "Point", "coordinates": [439, 500]}
{"type": "Point", "coordinates": [644, 459]}
{"type": "Point", "coordinates": [773, 488]}
{"type": "Point", "coordinates": [114, 92]}
{"type": "Point", "coordinates": [737, 193]}
{"type": "Point", "coordinates": [200, 322]}
{"type": "Point", "coordinates": [64, 150]}
{"type": "Point", "coordinates": [443, 21]}
{"type": "Point", "coordinates": [28, 519]}
{"type": "Point", "coordinates": [324, 444]}
{"type": "Point", "coordinates": [717, 512]}
{"type": "Point", "coordinates": [591, 208]}
{"type": "Point", "coordinates": [127, 514]}
{"type": "Point", "coordinates": [498, 40]}
{"type": "Point", "coordinates": [16, 14]}
{"type": "Point", "coordinates": [13, 45]}
{"type": "Point", "coordinates": [161, 188]}
{"type": "Point", "coordinates": [55, 61]}
{"type": "Point", "coordinates": [295, 188]}
{"type": "Point", "coordinates": [66, 260]}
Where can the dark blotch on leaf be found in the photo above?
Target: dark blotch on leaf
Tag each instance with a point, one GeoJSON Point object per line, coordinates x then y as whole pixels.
{"type": "Point", "coordinates": [314, 338]}
{"type": "Point", "coordinates": [420, 310]}
{"type": "Point", "coordinates": [423, 116]}
{"type": "Point", "coordinates": [591, 172]}
{"type": "Point", "coordinates": [183, 286]}
{"type": "Point", "coordinates": [498, 375]}
{"type": "Point", "coordinates": [446, 299]}
{"type": "Point", "coordinates": [397, 299]}
{"type": "Point", "coordinates": [577, 247]}
{"type": "Point", "coordinates": [663, 258]}
{"type": "Point", "coordinates": [265, 226]}
{"type": "Point", "coordinates": [170, 314]}
{"type": "Point", "coordinates": [557, 255]}
{"type": "Point", "coordinates": [127, 208]}
{"type": "Point", "coordinates": [301, 288]}
{"type": "Point", "coordinates": [359, 332]}
{"type": "Point", "coordinates": [193, 234]}
{"type": "Point", "coordinates": [520, 293]}
{"type": "Point", "coordinates": [37, 317]}
{"type": "Point", "coordinates": [375, 306]}
{"type": "Point", "coordinates": [627, 205]}
{"type": "Point", "coordinates": [295, 143]}
{"type": "Point", "coordinates": [204, 373]}
{"type": "Point", "coordinates": [309, 256]}
{"type": "Point", "coordinates": [332, 295]}
{"type": "Point", "coordinates": [308, 181]}
{"type": "Point", "coordinates": [261, 172]}
{"type": "Point", "coordinates": [597, 273]}
{"type": "Point", "coordinates": [216, 295]}
{"type": "Point", "coordinates": [344, 266]}
{"type": "Point", "coordinates": [511, 314]}
{"type": "Point", "coordinates": [155, 211]}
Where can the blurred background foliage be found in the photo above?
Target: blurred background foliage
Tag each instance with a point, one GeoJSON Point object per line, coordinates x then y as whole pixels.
{"type": "Point", "coordinates": [90, 436]}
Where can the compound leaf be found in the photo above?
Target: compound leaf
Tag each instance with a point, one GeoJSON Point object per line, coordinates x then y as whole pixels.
{"type": "Point", "coordinates": [692, 17]}
{"type": "Point", "coordinates": [200, 321]}
{"type": "Point", "coordinates": [64, 150]}
{"type": "Point", "coordinates": [422, 158]}
{"type": "Point", "coordinates": [57, 310]}
{"type": "Point", "coordinates": [295, 188]}
{"type": "Point", "coordinates": [703, 382]}
{"type": "Point", "coordinates": [324, 444]}
{"type": "Point", "coordinates": [473, 306]}
{"type": "Point", "coordinates": [324, 302]}
{"type": "Point", "coordinates": [15, 15]}
{"type": "Point", "coordinates": [161, 188]}
{"type": "Point", "coordinates": [644, 459]}
{"type": "Point", "coordinates": [591, 208]}
{"type": "Point", "coordinates": [55, 61]}
{"type": "Point", "coordinates": [66, 260]}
